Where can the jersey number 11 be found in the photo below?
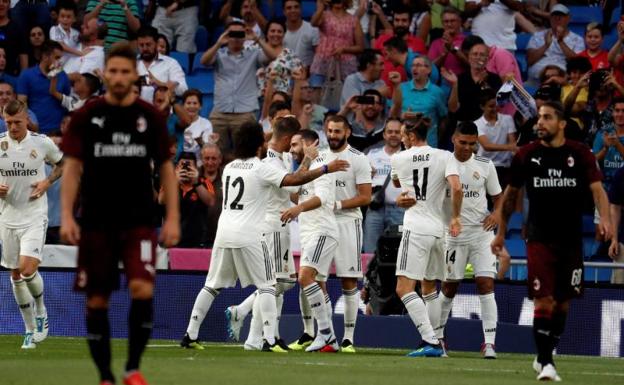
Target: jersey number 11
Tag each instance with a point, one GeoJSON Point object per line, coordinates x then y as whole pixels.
{"type": "Point", "coordinates": [420, 186]}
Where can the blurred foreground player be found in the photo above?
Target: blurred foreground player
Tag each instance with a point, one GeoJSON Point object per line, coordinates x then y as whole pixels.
{"type": "Point", "coordinates": [24, 219]}
{"type": "Point", "coordinates": [556, 173]}
{"type": "Point", "coordinates": [112, 144]}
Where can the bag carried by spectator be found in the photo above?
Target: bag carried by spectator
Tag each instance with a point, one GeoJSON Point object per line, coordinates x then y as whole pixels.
{"type": "Point", "coordinates": [332, 88]}
{"type": "Point", "coordinates": [379, 195]}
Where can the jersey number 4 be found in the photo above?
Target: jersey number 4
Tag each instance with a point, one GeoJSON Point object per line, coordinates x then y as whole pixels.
{"type": "Point", "coordinates": [420, 186]}
{"type": "Point", "coordinates": [241, 189]}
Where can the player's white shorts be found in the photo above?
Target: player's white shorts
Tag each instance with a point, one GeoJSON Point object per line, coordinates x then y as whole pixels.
{"type": "Point", "coordinates": [27, 241]}
{"type": "Point", "coordinates": [348, 257]}
{"type": "Point", "coordinates": [476, 252]}
{"type": "Point", "coordinates": [278, 244]}
{"type": "Point", "coordinates": [420, 257]}
{"type": "Point", "coordinates": [317, 252]}
{"type": "Point", "coordinates": [251, 265]}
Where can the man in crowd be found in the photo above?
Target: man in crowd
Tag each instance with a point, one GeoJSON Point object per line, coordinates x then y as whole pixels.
{"type": "Point", "coordinates": [366, 116]}
{"type": "Point", "coordinates": [13, 40]}
{"type": "Point", "coordinates": [616, 249]}
{"type": "Point", "coordinates": [301, 37]}
{"type": "Point", "coordinates": [446, 51]}
{"type": "Point", "coordinates": [177, 21]}
{"type": "Point", "coordinates": [367, 77]}
{"type": "Point", "coordinates": [121, 16]}
{"type": "Point", "coordinates": [92, 35]}
{"type": "Point", "coordinates": [7, 94]}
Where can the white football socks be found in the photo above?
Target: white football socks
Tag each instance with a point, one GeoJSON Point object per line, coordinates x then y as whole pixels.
{"type": "Point", "coordinates": [446, 305]}
{"type": "Point", "coordinates": [306, 314]}
{"type": "Point", "coordinates": [25, 302]}
{"type": "Point", "coordinates": [316, 299]}
{"type": "Point", "coordinates": [433, 311]}
{"type": "Point", "coordinates": [268, 312]}
{"type": "Point", "coordinates": [35, 286]}
{"type": "Point", "coordinates": [203, 302]}
{"type": "Point", "coordinates": [255, 327]}
{"type": "Point", "coordinates": [243, 309]}
{"type": "Point", "coordinates": [351, 304]}
{"type": "Point", "coordinates": [489, 317]}
{"type": "Point", "coordinates": [418, 313]}
{"type": "Point", "coordinates": [279, 302]}
{"type": "Point", "coordinates": [330, 313]}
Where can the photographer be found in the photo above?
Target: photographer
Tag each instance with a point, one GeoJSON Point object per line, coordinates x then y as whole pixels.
{"type": "Point", "coordinates": [367, 118]}
{"type": "Point", "coordinates": [383, 210]}
{"type": "Point", "coordinates": [598, 115]}
{"type": "Point", "coordinates": [195, 199]}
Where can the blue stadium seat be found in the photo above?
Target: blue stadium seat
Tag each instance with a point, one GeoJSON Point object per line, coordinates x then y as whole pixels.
{"type": "Point", "coordinates": [201, 39]}
{"type": "Point", "coordinates": [182, 58]}
{"type": "Point", "coordinates": [203, 81]}
{"type": "Point", "coordinates": [585, 15]}
{"type": "Point", "coordinates": [522, 39]}
{"type": "Point", "coordinates": [597, 274]}
{"type": "Point", "coordinates": [307, 9]}
{"type": "Point", "coordinates": [589, 246]}
{"type": "Point", "coordinates": [522, 63]}
{"type": "Point", "coordinates": [578, 28]}
{"type": "Point", "coordinates": [515, 222]}
{"type": "Point", "coordinates": [610, 39]}
{"type": "Point", "coordinates": [589, 228]}
{"type": "Point", "coordinates": [198, 66]}
{"type": "Point", "coordinates": [516, 248]}
{"type": "Point", "coordinates": [615, 16]}
{"type": "Point", "coordinates": [207, 103]}
{"type": "Point", "coordinates": [530, 89]}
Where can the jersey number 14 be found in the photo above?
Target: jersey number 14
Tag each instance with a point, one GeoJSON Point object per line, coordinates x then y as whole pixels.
{"type": "Point", "coordinates": [420, 186]}
{"type": "Point", "coordinates": [238, 182]}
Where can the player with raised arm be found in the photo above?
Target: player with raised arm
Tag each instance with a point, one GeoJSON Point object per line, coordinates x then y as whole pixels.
{"type": "Point", "coordinates": [557, 174]}
{"type": "Point", "coordinates": [478, 179]}
{"type": "Point", "coordinates": [113, 145]}
{"type": "Point", "coordinates": [24, 219]}
{"type": "Point", "coordinates": [319, 241]}
{"type": "Point", "coordinates": [240, 252]}
{"type": "Point", "coordinates": [423, 173]}
{"type": "Point", "coordinates": [353, 190]}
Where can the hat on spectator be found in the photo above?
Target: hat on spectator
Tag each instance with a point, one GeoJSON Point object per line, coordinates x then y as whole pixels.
{"type": "Point", "coordinates": [560, 8]}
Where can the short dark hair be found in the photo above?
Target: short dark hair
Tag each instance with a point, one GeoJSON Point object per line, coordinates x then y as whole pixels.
{"type": "Point", "coordinates": [452, 10]}
{"type": "Point", "coordinates": [234, 22]}
{"type": "Point", "coordinates": [401, 9]}
{"type": "Point", "coordinates": [7, 83]}
{"type": "Point", "coordinates": [368, 56]}
{"type": "Point", "coordinates": [617, 100]}
{"type": "Point", "coordinates": [278, 106]}
{"type": "Point", "coordinates": [308, 135]}
{"type": "Point", "coordinates": [14, 107]}
{"type": "Point", "coordinates": [167, 45]}
{"type": "Point", "coordinates": [397, 43]}
{"type": "Point", "coordinates": [471, 41]}
{"type": "Point", "coordinates": [418, 125]}
{"type": "Point", "coordinates": [557, 107]}
{"type": "Point", "coordinates": [340, 119]}
{"type": "Point", "coordinates": [49, 46]}
{"type": "Point", "coordinates": [121, 49]}
{"type": "Point", "coordinates": [284, 2]}
{"type": "Point", "coordinates": [279, 22]}
{"type": "Point", "coordinates": [247, 139]}
{"type": "Point", "coordinates": [192, 92]}
{"type": "Point", "coordinates": [578, 63]}
{"type": "Point", "coordinates": [374, 92]}
{"type": "Point", "coordinates": [67, 5]}
{"type": "Point", "coordinates": [93, 82]}
{"type": "Point", "coordinates": [102, 31]}
{"type": "Point", "coordinates": [147, 31]}
{"type": "Point", "coordinates": [187, 155]}
{"type": "Point", "coordinates": [392, 119]}
{"type": "Point", "coordinates": [286, 126]}
{"type": "Point", "coordinates": [486, 95]}
{"type": "Point", "coordinates": [287, 98]}
{"type": "Point", "coordinates": [466, 128]}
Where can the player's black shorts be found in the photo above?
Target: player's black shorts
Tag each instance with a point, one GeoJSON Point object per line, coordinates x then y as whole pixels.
{"type": "Point", "coordinates": [100, 252]}
{"type": "Point", "coordinates": [555, 269]}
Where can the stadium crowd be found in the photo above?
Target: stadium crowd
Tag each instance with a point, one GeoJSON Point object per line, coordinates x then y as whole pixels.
{"type": "Point", "coordinates": [210, 66]}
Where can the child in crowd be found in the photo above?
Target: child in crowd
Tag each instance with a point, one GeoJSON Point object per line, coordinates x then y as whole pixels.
{"type": "Point", "coordinates": [64, 33]}
{"type": "Point", "coordinates": [84, 88]}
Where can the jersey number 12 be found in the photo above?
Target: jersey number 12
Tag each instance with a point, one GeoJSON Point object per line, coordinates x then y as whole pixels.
{"type": "Point", "coordinates": [241, 189]}
{"type": "Point", "coordinates": [421, 191]}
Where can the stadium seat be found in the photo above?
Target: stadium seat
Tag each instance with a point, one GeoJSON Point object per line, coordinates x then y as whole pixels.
{"type": "Point", "coordinates": [615, 16]}
{"type": "Point", "coordinates": [610, 39]}
{"type": "Point", "coordinates": [597, 274]}
{"type": "Point", "coordinates": [522, 39]}
{"type": "Point", "coordinates": [201, 39]}
{"type": "Point", "coordinates": [585, 15]}
{"type": "Point", "coordinates": [515, 222]}
{"type": "Point", "coordinates": [578, 28]}
{"type": "Point", "coordinates": [589, 228]}
{"type": "Point", "coordinates": [522, 63]}
{"type": "Point", "coordinates": [307, 9]}
{"type": "Point", "coordinates": [207, 103]}
{"type": "Point", "coordinates": [198, 66]}
{"type": "Point", "coordinates": [182, 58]}
{"type": "Point", "coordinates": [203, 81]}
{"type": "Point", "coordinates": [516, 248]}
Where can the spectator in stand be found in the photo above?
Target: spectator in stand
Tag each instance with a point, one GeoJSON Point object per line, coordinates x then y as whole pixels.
{"type": "Point", "coordinates": [92, 35]}
{"type": "Point", "coordinates": [155, 69]}
{"type": "Point", "coordinates": [162, 45]}
{"type": "Point", "coordinates": [419, 96]}
{"type": "Point", "coordinates": [4, 77]}
{"type": "Point", "coordinates": [609, 144]}
{"type": "Point", "coordinates": [236, 88]}
{"type": "Point", "coordinates": [310, 114]}
{"type": "Point", "coordinates": [497, 136]}
{"type": "Point", "coordinates": [499, 60]}
{"type": "Point", "coordinates": [574, 91]}
{"type": "Point", "coordinates": [177, 21]}
{"type": "Point", "coordinates": [210, 172]}
{"type": "Point", "coordinates": [177, 117]}
{"type": "Point", "coordinates": [121, 16]}
{"type": "Point", "coordinates": [446, 51]}
{"type": "Point", "coordinates": [385, 213]}
{"type": "Point", "coordinates": [366, 116]}
{"type": "Point", "coordinates": [85, 87]}
{"type": "Point", "coordinates": [64, 33]}
{"type": "Point", "coordinates": [467, 87]}
{"type": "Point", "coordinates": [271, 97]}
{"type": "Point", "coordinates": [199, 131]}
{"type": "Point", "coordinates": [33, 87]}
{"type": "Point", "coordinates": [437, 16]}
{"type": "Point", "coordinates": [277, 109]}
{"type": "Point", "coordinates": [598, 57]}
{"type": "Point", "coordinates": [420, 24]}
{"type": "Point", "coordinates": [36, 38]}
{"type": "Point", "coordinates": [554, 45]}
{"type": "Point", "coordinates": [194, 202]}
{"type": "Point", "coordinates": [341, 38]}
{"type": "Point", "coordinates": [616, 249]}
{"type": "Point", "coordinates": [401, 56]}
{"type": "Point", "coordinates": [28, 13]}
{"type": "Point", "coordinates": [598, 114]}
{"type": "Point", "coordinates": [246, 12]}
{"type": "Point", "coordinates": [616, 58]}
{"type": "Point", "coordinates": [494, 21]}
{"type": "Point", "coordinates": [301, 37]}
{"type": "Point", "coordinates": [13, 40]}
{"type": "Point", "coordinates": [7, 93]}
{"type": "Point", "coordinates": [367, 77]}
{"type": "Point", "coordinates": [283, 65]}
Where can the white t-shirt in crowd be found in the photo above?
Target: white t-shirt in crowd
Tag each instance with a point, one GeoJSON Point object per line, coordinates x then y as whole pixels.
{"type": "Point", "coordinates": [497, 134]}
{"type": "Point", "coordinates": [303, 42]}
{"type": "Point", "coordinates": [495, 24]}
{"type": "Point", "coordinates": [380, 162]}
{"type": "Point", "coordinates": [201, 128]}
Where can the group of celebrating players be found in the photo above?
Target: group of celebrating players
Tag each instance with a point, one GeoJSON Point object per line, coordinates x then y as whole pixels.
{"type": "Point", "coordinates": [115, 143]}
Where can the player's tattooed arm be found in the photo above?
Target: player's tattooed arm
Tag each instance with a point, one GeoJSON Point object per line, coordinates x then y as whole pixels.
{"type": "Point", "coordinates": [301, 177]}
{"type": "Point", "coordinates": [57, 171]}
{"type": "Point", "coordinates": [39, 188]}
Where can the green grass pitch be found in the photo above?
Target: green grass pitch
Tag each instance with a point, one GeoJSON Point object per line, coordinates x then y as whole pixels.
{"type": "Point", "coordinates": [66, 361]}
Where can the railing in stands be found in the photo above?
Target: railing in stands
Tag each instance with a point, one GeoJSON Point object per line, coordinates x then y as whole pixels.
{"type": "Point", "coordinates": [595, 265]}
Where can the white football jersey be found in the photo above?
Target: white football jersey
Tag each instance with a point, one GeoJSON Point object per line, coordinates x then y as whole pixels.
{"type": "Point", "coordinates": [280, 196]}
{"type": "Point", "coordinates": [479, 179]}
{"type": "Point", "coordinates": [422, 172]}
{"type": "Point", "coordinates": [320, 221]}
{"type": "Point", "coordinates": [359, 172]}
{"type": "Point", "coordinates": [247, 186]}
{"type": "Point", "coordinates": [22, 164]}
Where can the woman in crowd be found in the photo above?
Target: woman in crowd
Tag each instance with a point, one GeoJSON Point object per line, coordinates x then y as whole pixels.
{"type": "Point", "coordinates": [162, 45]}
{"type": "Point", "coordinates": [284, 63]}
{"type": "Point", "coordinates": [36, 38]}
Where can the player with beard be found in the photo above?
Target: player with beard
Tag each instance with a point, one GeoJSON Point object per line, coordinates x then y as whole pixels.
{"type": "Point", "coordinates": [112, 146]}
{"type": "Point", "coordinates": [556, 173]}
{"type": "Point", "coordinates": [353, 190]}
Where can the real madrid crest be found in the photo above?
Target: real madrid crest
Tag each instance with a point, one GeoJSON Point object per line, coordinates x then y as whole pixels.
{"type": "Point", "coordinates": [141, 124]}
{"type": "Point", "coordinates": [33, 154]}
{"type": "Point", "coordinates": [570, 161]}
{"type": "Point", "coordinates": [4, 145]}
{"type": "Point", "coordinates": [475, 175]}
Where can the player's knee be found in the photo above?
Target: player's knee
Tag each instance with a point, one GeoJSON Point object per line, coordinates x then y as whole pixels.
{"type": "Point", "coordinates": [544, 304]}
{"type": "Point", "coordinates": [15, 275]}
{"type": "Point", "coordinates": [349, 283]}
{"type": "Point", "coordinates": [140, 289]}
{"type": "Point", "coordinates": [306, 277]}
{"type": "Point", "coordinates": [485, 285]}
{"type": "Point", "coordinates": [428, 287]}
{"type": "Point", "coordinates": [449, 289]}
{"type": "Point", "coordinates": [97, 302]}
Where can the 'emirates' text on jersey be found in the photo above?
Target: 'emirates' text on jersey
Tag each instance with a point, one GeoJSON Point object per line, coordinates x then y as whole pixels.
{"type": "Point", "coordinates": [359, 172]}
{"type": "Point", "coordinates": [320, 221]}
{"type": "Point", "coordinates": [422, 172]}
{"type": "Point", "coordinates": [478, 178]}
{"type": "Point", "coordinates": [248, 184]}
{"type": "Point", "coordinates": [279, 200]}
{"type": "Point", "coordinates": [21, 165]}
{"type": "Point", "coordinates": [557, 182]}
{"type": "Point", "coordinates": [119, 148]}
